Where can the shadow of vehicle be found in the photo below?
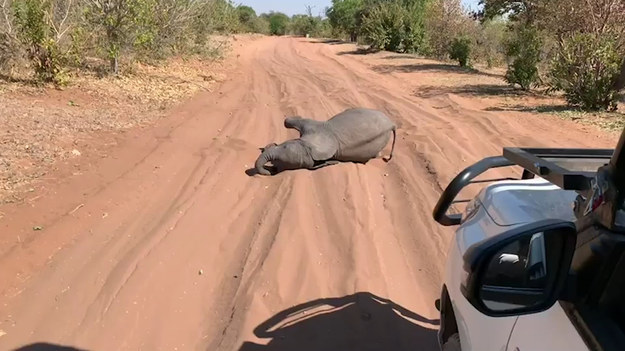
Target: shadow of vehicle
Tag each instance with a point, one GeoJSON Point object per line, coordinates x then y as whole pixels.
{"type": "Point", "coordinates": [361, 321]}
{"type": "Point", "coordinates": [43, 346]}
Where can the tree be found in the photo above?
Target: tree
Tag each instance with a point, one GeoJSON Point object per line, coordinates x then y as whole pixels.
{"type": "Point", "coordinates": [586, 68]}
{"type": "Point", "coordinates": [490, 38]}
{"type": "Point", "coordinates": [344, 16]}
{"type": "Point", "coordinates": [163, 27]}
{"type": "Point", "coordinates": [116, 19]}
{"type": "Point", "coordinates": [619, 83]}
{"type": "Point", "coordinates": [524, 50]}
{"type": "Point", "coordinates": [40, 26]}
{"type": "Point", "coordinates": [246, 13]}
{"type": "Point", "coordinates": [247, 17]}
{"type": "Point", "coordinates": [460, 50]}
{"type": "Point", "coordinates": [306, 24]}
{"type": "Point", "coordinates": [524, 11]}
{"type": "Point", "coordinates": [395, 25]}
{"type": "Point", "coordinates": [278, 23]}
{"type": "Point", "coordinates": [444, 20]}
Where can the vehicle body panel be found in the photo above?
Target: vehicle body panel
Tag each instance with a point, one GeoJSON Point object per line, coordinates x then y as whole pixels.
{"type": "Point", "coordinates": [549, 330]}
{"type": "Point", "coordinates": [525, 201]}
{"type": "Point", "coordinates": [502, 206]}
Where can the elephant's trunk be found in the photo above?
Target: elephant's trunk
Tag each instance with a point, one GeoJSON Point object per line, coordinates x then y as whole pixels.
{"type": "Point", "coordinates": [261, 161]}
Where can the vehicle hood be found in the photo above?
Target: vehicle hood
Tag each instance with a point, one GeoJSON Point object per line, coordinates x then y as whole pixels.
{"type": "Point", "coordinates": [507, 204]}
{"type": "Point", "coordinates": [511, 203]}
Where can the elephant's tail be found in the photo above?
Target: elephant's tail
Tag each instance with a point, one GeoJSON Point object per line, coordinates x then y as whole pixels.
{"type": "Point", "coordinates": [393, 145]}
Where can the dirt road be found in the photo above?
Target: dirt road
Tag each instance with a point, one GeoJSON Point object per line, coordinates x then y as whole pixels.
{"type": "Point", "coordinates": [167, 244]}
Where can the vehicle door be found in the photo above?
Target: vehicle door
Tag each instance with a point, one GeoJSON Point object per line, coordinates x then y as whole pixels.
{"type": "Point", "coordinates": [550, 330]}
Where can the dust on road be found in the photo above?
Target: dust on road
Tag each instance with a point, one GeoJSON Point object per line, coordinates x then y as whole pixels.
{"type": "Point", "coordinates": [175, 247]}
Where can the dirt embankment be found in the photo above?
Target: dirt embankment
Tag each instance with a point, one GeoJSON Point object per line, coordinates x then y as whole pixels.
{"type": "Point", "coordinates": [168, 244]}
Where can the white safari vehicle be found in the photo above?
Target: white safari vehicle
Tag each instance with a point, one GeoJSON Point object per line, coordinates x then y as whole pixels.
{"type": "Point", "coordinates": [537, 263]}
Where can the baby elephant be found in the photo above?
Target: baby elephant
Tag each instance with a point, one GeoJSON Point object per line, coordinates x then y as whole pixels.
{"type": "Point", "coordinates": [354, 135]}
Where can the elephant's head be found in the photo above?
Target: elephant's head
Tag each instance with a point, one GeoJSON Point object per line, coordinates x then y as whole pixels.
{"type": "Point", "coordinates": [292, 154]}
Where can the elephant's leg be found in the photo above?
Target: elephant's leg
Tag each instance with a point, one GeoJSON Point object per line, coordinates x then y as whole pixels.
{"type": "Point", "coordinates": [366, 150]}
{"type": "Point", "coordinates": [295, 122]}
{"type": "Point", "coordinates": [303, 125]}
{"type": "Point", "coordinates": [324, 164]}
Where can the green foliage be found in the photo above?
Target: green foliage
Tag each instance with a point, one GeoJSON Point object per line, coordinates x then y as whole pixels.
{"type": "Point", "coordinates": [113, 21]}
{"type": "Point", "coordinates": [299, 25]}
{"type": "Point", "coordinates": [278, 23]}
{"type": "Point", "coordinates": [585, 68]}
{"type": "Point", "coordinates": [344, 17]}
{"type": "Point", "coordinates": [57, 35]}
{"type": "Point", "coordinates": [261, 25]}
{"type": "Point", "coordinates": [222, 16]}
{"type": "Point", "coordinates": [306, 24]}
{"type": "Point", "coordinates": [250, 22]}
{"type": "Point", "coordinates": [460, 50]}
{"type": "Point", "coordinates": [491, 36]}
{"type": "Point", "coordinates": [246, 15]}
{"type": "Point", "coordinates": [35, 32]}
{"type": "Point", "coordinates": [517, 10]}
{"type": "Point", "coordinates": [524, 51]}
{"type": "Point", "coordinates": [395, 26]}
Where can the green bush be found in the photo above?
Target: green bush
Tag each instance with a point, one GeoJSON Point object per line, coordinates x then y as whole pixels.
{"type": "Point", "coordinates": [35, 32]}
{"type": "Point", "coordinates": [247, 16]}
{"type": "Point", "coordinates": [343, 16]}
{"type": "Point", "coordinates": [585, 67]}
{"type": "Point", "coordinates": [260, 25]}
{"type": "Point", "coordinates": [305, 24]}
{"type": "Point", "coordinates": [460, 50]}
{"type": "Point", "coordinates": [524, 49]}
{"type": "Point", "coordinates": [278, 23]}
{"type": "Point", "coordinates": [394, 26]}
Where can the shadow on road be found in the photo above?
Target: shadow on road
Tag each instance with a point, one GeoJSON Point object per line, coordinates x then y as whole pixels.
{"type": "Point", "coordinates": [359, 51]}
{"type": "Point", "coordinates": [472, 90]}
{"type": "Point", "coordinates": [361, 321]}
{"type": "Point", "coordinates": [431, 67]}
{"type": "Point", "coordinates": [328, 41]}
{"type": "Point", "coordinates": [42, 346]}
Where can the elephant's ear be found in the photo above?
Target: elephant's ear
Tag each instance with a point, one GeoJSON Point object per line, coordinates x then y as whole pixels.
{"type": "Point", "coordinates": [323, 146]}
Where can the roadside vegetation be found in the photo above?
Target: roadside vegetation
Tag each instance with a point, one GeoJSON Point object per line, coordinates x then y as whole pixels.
{"type": "Point", "coordinates": [572, 47]}
{"type": "Point", "coordinates": [52, 41]}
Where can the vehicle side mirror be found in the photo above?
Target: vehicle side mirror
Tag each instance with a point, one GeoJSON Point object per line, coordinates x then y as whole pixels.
{"type": "Point", "coordinates": [521, 271]}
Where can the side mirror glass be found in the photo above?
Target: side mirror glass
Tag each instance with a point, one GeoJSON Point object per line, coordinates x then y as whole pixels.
{"type": "Point", "coordinates": [521, 271]}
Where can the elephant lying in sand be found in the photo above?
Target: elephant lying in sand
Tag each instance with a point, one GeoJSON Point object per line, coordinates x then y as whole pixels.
{"type": "Point", "coordinates": [354, 135]}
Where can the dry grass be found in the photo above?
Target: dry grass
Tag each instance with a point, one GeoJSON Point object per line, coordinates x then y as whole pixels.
{"type": "Point", "coordinates": [42, 125]}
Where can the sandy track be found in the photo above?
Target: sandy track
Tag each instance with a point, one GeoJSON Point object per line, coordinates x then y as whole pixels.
{"type": "Point", "coordinates": [175, 247]}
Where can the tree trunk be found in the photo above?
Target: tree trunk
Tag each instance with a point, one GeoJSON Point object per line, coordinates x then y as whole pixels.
{"type": "Point", "coordinates": [619, 84]}
{"type": "Point", "coordinates": [115, 65]}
